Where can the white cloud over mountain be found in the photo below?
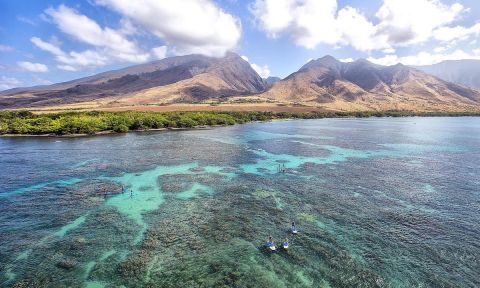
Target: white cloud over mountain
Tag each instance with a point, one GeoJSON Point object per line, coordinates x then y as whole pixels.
{"type": "Point", "coordinates": [108, 45]}
{"type": "Point", "coordinates": [456, 33]}
{"type": "Point", "coordinates": [187, 26]}
{"type": "Point", "coordinates": [308, 22]}
{"type": "Point", "coordinates": [86, 30]}
{"type": "Point", "coordinates": [72, 61]}
{"type": "Point", "coordinates": [160, 52]}
{"type": "Point", "coordinates": [426, 58]}
{"type": "Point", "coordinates": [406, 22]}
{"type": "Point", "coordinates": [33, 67]}
{"type": "Point", "coordinates": [8, 82]}
{"type": "Point", "coordinates": [398, 23]}
{"type": "Point", "coordinates": [263, 71]}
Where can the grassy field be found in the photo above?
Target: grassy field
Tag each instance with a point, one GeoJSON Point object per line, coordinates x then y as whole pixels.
{"type": "Point", "coordinates": [72, 123]}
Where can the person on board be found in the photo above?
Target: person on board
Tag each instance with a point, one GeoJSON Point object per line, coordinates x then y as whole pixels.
{"type": "Point", "coordinates": [131, 193]}
{"type": "Point", "coordinates": [285, 244]}
{"type": "Point", "coordinates": [270, 242]}
{"type": "Point", "coordinates": [294, 228]}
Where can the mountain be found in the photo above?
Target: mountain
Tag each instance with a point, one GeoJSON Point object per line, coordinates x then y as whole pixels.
{"type": "Point", "coordinates": [325, 82]}
{"type": "Point", "coordinates": [188, 78]}
{"type": "Point", "coordinates": [462, 72]}
{"type": "Point", "coordinates": [361, 85]}
{"type": "Point", "coordinates": [271, 80]}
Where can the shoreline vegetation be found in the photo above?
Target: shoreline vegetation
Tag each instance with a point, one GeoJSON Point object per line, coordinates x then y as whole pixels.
{"type": "Point", "coordinates": [72, 124]}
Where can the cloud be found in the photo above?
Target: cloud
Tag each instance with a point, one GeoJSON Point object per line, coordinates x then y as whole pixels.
{"type": "Point", "coordinates": [311, 22]}
{"type": "Point", "coordinates": [355, 30]}
{"type": "Point", "coordinates": [406, 22]}
{"type": "Point", "coordinates": [456, 33]}
{"type": "Point", "coordinates": [127, 27]}
{"type": "Point", "coordinates": [307, 22]}
{"type": "Point", "coordinates": [26, 20]}
{"type": "Point", "coordinates": [109, 45]}
{"type": "Point", "coordinates": [49, 47]}
{"type": "Point", "coordinates": [72, 61]}
{"type": "Point", "coordinates": [425, 58]}
{"type": "Point", "coordinates": [86, 30]}
{"type": "Point", "coordinates": [159, 52]}
{"type": "Point", "coordinates": [388, 51]}
{"type": "Point", "coordinates": [41, 81]}
{"type": "Point", "coordinates": [188, 26]}
{"type": "Point", "coordinates": [440, 49]}
{"type": "Point", "coordinates": [8, 83]}
{"type": "Point", "coordinates": [87, 58]}
{"type": "Point", "coordinates": [67, 68]}
{"type": "Point", "coordinates": [347, 60]}
{"type": "Point", "coordinates": [33, 67]}
{"type": "Point", "coordinates": [263, 71]}
{"type": "Point", "coordinates": [6, 48]}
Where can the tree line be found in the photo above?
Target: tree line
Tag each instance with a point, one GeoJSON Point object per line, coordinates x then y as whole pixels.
{"type": "Point", "coordinates": [65, 123]}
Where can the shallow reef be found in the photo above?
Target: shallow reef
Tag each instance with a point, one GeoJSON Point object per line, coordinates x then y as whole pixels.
{"type": "Point", "coordinates": [195, 208]}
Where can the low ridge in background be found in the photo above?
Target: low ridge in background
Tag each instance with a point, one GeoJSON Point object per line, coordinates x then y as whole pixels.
{"type": "Point", "coordinates": [463, 72]}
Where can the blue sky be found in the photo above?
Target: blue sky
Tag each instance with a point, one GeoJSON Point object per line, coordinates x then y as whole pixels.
{"type": "Point", "coordinates": [50, 41]}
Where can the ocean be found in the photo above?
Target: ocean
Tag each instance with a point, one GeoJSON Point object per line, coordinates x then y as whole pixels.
{"type": "Point", "coordinates": [378, 202]}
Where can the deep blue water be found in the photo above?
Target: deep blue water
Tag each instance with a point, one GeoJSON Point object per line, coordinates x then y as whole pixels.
{"type": "Point", "coordinates": [388, 202]}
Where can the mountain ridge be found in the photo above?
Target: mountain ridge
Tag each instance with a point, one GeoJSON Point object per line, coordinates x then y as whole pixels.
{"type": "Point", "coordinates": [227, 76]}
{"type": "Point", "coordinates": [323, 82]}
{"type": "Point", "coordinates": [463, 72]}
{"type": "Point", "coordinates": [340, 85]}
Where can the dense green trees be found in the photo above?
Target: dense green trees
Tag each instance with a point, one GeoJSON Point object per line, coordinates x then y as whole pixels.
{"type": "Point", "coordinates": [25, 122]}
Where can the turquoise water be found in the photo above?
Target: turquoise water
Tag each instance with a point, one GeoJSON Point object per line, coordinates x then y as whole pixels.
{"type": "Point", "coordinates": [378, 203]}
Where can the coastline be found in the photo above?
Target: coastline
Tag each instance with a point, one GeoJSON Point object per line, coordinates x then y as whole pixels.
{"type": "Point", "coordinates": [111, 132]}
{"type": "Point", "coordinates": [97, 123]}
